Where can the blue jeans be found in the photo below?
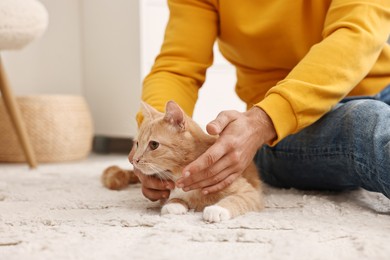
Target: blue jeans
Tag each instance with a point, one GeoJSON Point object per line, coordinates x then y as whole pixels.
{"type": "Point", "coordinates": [348, 148]}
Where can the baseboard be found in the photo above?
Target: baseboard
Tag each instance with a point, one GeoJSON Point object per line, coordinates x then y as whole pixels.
{"type": "Point", "coordinates": [105, 145]}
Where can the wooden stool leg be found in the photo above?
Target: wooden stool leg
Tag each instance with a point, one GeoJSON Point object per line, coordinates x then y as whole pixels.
{"type": "Point", "coordinates": [16, 118]}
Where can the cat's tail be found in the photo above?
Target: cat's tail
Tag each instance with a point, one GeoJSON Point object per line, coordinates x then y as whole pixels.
{"type": "Point", "coordinates": [116, 178]}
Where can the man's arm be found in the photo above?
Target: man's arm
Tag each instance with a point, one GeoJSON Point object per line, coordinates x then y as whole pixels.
{"type": "Point", "coordinates": [187, 51]}
{"type": "Point", "coordinates": [354, 35]}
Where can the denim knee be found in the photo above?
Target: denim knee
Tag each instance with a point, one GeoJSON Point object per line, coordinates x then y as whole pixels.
{"type": "Point", "coordinates": [368, 125]}
{"type": "Point", "coordinates": [347, 148]}
{"type": "Point", "coordinates": [363, 113]}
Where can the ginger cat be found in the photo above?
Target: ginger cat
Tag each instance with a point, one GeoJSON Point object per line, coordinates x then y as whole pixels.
{"type": "Point", "coordinates": [166, 143]}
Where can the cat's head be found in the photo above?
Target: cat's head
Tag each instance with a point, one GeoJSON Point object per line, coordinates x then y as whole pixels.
{"type": "Point", "coordinates": [167, 142]}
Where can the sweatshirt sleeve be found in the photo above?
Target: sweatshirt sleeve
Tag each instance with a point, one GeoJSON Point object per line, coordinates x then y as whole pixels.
{"type": "Point", "coordinates": [187, 51]}
{"type": "Point", "coordinates": [354, 34]}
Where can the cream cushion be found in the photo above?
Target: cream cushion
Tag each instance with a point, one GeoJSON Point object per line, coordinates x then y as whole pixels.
{"type": "Point", "coordinates": [21, 21]}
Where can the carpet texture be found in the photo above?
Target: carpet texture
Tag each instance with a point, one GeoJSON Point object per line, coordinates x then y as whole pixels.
{"type": "Point", "coordinates": [61, 211]}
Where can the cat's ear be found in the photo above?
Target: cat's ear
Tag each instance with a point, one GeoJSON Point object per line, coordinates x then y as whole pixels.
{"type": "Point", "coordinates": [175, 115]}
{"type": "Point", "coordinates": [148, 111]}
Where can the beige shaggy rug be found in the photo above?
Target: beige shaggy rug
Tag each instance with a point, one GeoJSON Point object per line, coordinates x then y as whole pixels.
{"type": "Point", "coordinates": [61, 211]}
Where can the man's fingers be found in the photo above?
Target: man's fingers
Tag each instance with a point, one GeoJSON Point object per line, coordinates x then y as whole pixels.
{"type": "Point", "coordinates": [157, 184]}
{"type": "Point", "coordinates": [216, 126]}
{"type": "Point", "coordinates": [213, 128]}
{"type": "Point", "coordinates": [154, 195]}
{"type": "Point", "coordinates": [154, 188]}
{"type": "Point", "coordinates": [151, 182]}
{"type": "Point", "coordinates": [213, 180]}
{"type": "Point", "coordinates": [221, 185]}
{"type": "Point", "coordinates": [208, 177]}
{"type": "Point", "coordinates": [207, 182]}
{"type": "Point", "coordinates": [206, 160]}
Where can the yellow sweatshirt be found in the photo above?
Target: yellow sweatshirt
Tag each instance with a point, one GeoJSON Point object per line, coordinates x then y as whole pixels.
{"type": "Point", "coordinates": [295, 59]}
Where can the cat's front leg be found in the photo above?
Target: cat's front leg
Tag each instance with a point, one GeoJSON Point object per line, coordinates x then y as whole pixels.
{"type": "Point", "coordinates": [243, 200]}
{"type": "Point", "coordinates": [174, 206]}
{"type": "Point", "coordinates": [215, 213]}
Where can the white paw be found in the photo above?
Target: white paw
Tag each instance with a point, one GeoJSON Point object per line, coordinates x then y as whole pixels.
{"type": "Point", "coordinates": [173, 208]}
{"type": "Point", "coordinates": [216, 214]}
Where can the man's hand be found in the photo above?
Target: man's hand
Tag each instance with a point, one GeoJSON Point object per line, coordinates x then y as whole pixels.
{"type": "Point", "coordinates": [240, 136]}
{"type": "Point", "coordinates": [152, 187]}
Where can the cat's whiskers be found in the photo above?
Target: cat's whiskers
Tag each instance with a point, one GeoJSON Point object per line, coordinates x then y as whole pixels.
{"type": "Point", "coordinates": [168, 175]}
{"type": "Point", "coordinates": [161, 173]}
{"type": "Point", "coordinates": [152, 167]}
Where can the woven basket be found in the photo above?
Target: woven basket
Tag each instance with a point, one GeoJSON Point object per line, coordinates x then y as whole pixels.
{"type": "Point", "coordinates": [59, 126]}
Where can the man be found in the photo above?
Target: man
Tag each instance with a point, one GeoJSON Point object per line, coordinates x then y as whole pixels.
{"type": "Point", "coordinates": [296, 62]}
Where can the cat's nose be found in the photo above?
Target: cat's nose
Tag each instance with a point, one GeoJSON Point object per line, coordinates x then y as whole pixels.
{"type": "Point", "coordinates": [131, 155]}
{"type": "Point", "coordinates": [135, 160]}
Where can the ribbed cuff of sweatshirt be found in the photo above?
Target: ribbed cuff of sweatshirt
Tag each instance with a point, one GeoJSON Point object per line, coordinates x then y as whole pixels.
{"type": "Point", "coordinates": [281, 114]}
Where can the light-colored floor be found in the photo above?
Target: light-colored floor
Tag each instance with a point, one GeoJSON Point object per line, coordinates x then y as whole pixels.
{"type": "Point", "coordinates": [61, 211]}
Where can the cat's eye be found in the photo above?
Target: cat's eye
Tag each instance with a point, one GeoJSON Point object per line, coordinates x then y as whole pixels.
{"type": "Point", "coordinates": [153, 145]}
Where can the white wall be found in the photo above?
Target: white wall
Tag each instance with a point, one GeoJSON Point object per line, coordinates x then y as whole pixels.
{"type": "Point", "coordinates": [112, 64]}
{"type": "Point", "coordinates": [51, 64]}
{"type": "Point", "coordinates": [221, 76]}
{"type": "Point", "coordinates": [91, 48]}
